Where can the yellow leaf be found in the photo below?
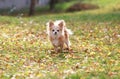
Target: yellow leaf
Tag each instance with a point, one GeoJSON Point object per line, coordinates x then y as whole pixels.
{"type": "Point", "coordinates": [109, 53]}
{"type": "Point", "coordinates": [92, 53]}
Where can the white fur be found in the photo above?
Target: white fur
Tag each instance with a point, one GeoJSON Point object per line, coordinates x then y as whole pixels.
{"type": "Point", "coordinates": [56, 24]}
{"type": "Point", "coordinates": [55, 37]}
{"type": "Point", "coordinates": [69, 31]}
{"type": "Point", "coordinates": [55, 42]}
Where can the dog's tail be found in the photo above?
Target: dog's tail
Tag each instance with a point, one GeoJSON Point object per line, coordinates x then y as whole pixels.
{"type": "Point", "coordinates": [69, 32]}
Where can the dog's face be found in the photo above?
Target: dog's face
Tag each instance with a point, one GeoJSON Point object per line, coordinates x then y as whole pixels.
{"type": "Point", "coordinates": [56, 28]}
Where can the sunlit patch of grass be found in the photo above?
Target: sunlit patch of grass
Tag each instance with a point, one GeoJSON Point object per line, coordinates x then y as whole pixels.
{"type": "Point", "coordinates": [64, 6]}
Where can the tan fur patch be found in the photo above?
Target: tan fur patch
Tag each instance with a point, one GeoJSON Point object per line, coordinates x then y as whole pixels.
{"type": "Point", "coordinates": [61, 39]}
{"type": "Point", "coordinates": [66, 35]}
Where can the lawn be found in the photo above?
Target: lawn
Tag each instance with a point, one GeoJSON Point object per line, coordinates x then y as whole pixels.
{"type": "Point", "coordinates": [25, 51]}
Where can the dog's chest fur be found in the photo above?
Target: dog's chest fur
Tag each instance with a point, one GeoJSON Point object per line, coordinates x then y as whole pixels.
{"type": "Point", "coordinates": [57, 41]}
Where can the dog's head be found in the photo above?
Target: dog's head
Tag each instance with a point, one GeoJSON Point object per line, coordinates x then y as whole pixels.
{"type": "Point", "coordinates": [56, 28]}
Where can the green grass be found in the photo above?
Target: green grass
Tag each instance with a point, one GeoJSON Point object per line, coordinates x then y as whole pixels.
{"type": "Point", "coordinates": [64, 6]}
{"type": "Point", "coordinates": [25, 51]}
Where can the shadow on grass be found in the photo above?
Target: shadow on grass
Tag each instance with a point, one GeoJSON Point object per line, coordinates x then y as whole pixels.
{"type": "Point", "coordinates": [102, 17]}
{"type": "Point", "coordinates": [84, 17]}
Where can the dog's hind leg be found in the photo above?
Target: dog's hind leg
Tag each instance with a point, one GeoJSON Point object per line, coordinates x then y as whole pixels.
{"type": "Point", "coordinates": [67, 42]}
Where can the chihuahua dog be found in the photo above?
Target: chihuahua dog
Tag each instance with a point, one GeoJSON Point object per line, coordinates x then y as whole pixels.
{"type": "Point", "coordinates": [58, 34]}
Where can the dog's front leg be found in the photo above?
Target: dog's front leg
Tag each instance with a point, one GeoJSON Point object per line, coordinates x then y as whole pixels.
{"type": "Point", "coordinates": [61, 47]}
{"type": "Point", "coordinates": [55, 48]}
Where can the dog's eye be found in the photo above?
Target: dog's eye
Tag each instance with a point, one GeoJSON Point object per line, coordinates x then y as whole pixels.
{"type": "Point", "coordinates": [53, 30]}
{"type": "Point", "coordinates": [58, 30]}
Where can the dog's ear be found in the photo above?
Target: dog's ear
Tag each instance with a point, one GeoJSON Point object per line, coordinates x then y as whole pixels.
{"type": "Point", "coordinates": [51, 23]}
{"type": "Point", "coordinates": [62, 23]}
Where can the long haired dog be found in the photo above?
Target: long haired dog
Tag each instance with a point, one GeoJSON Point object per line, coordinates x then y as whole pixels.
{"type": "Point", "coordinates": [58, 34]}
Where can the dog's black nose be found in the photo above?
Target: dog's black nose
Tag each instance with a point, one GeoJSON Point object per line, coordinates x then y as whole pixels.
{"type": "Point", "coordinates": [55, 33]}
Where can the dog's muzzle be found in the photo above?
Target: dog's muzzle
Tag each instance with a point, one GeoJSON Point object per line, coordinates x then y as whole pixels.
{"type": "Point", "coordinates": [55, 33]}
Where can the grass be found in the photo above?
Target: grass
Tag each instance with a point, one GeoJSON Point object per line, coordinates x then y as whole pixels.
{"type": "Point", "coordinates": [25, 51]}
